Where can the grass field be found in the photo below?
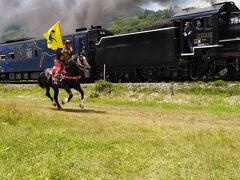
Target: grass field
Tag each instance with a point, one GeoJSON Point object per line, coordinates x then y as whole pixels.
{"type": "Point", "coordinates": [124, 132]}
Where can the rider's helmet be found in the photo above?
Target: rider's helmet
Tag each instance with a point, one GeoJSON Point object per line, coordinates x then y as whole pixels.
{"type": "Point", "coordinates": [67, 41]}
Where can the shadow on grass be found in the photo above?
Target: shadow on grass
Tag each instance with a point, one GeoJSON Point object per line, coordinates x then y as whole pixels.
{"type": "Point", "coordinates": [80, 111]}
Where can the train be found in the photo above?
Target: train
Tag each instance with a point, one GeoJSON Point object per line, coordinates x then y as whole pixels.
{"type": "Point", "coordinates": [161, 54]}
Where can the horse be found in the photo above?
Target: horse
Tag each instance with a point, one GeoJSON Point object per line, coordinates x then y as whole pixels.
{"type": "Point", "coordinates": [71, 79]}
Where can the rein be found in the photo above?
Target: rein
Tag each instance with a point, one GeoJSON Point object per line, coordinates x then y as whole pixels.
{"type": "Point", "coordinates": [75, 77]}
{"type": "Point", "coordinates": [79, 66]}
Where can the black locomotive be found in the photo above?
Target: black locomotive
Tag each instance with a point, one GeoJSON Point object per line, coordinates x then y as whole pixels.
{"type": "Point", "coordinates": [211, 51]}
{"type": "Point", "coordinates": [164, 54]}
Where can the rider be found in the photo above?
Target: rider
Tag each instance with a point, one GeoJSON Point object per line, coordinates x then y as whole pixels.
{"type": "Point", "coordinates": [59, 65]}
{"type": "Point", "coordinates": [67, 49]}
{"type": "Point", "coordinates": [60, 60]}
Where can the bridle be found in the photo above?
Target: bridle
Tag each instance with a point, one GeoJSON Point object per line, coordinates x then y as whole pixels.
{"type": "Point", "coordinates": [80, 67]}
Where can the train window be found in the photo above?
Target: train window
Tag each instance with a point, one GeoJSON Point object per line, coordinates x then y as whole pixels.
{"type": "Point", "coordinates": [82, 44]}
{"type": "Point", "coordinates": [36, 53]}
{"type": "Point", "coordinates": [93, 39]}
{"type": "Point", "coordinates": [208, 23]}
{"type": "Point", "coordinates": [29, 53]}
{"type": "Point", "coordinates": [11, 56]}
{"type": "Point", "coordinates": [2, 57]}
{"type": "Point", "coordinates": [199, 25]}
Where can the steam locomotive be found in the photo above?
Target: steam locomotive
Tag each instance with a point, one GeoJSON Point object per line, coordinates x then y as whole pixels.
{"type": "Point", "coordinates": [153, 55]}
{"type": "Point", "coordinates": [162, 54]}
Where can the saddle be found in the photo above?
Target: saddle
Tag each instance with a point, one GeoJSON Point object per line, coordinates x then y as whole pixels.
{"type": "Point", "coordinates": [57, 76]}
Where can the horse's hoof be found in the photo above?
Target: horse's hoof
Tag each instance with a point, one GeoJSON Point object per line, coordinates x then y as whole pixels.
{"type": "Point", "coordinates": [60, 108]}
{"type": "Point", "coordinates": [81, 106]}
{"type": "Point", "coordinates": [64, 101]}
{"type": "Point", "coordinates": [54, 103]}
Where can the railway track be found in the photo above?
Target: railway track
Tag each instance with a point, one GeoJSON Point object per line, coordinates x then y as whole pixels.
{"type": "Point", "coordinates": [18, 82]}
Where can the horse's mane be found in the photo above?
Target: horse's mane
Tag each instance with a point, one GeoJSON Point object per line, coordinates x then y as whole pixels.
{"type": "Point", "coordinates": [72, 66]}
{"type": "Point", "coordinates": [71, 60]}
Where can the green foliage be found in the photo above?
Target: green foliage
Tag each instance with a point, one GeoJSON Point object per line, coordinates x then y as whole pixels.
{"type": "Point", "coordinates": [195, 96]}
{"type": "Point", "coordinates": [94, 94]}
{"type": "Point", "coordinates": [103, 86]}
{"type": "Point", "coordinates": [173, 140]}
{"type": "Point", "coordinates": [13, 33]}
{"type": "Point", "coordinates": [216, 88]}
{"type": "Point", "coordinates": [10, 114]}
{"type": "Point", "coordinates": [220, 83]}
{"type": "Point", "coordinates": [140, 21]}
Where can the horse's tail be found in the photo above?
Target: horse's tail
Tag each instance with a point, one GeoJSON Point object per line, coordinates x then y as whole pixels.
{"type": "Point", "coordinates": [41, 80]}
{"type": "Point", "coordinates": [44, 78]}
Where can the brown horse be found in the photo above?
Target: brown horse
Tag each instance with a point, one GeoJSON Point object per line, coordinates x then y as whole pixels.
{"type": "Point", "coordinates": [70, 80]}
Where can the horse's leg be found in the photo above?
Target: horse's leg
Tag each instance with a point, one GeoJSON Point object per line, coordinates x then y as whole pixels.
{"type": "Point", "coordinates": [49, 95]}
{"type": "Point", "coordinates": [70, 96]}
{"type": "Point", "coordinates": [56, 92]}
{"type": "Point", "coordinates": [79, 89]}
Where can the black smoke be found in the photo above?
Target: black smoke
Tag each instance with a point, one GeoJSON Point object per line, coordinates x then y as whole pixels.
{"type": "Point", "coordinates": [35, 16]}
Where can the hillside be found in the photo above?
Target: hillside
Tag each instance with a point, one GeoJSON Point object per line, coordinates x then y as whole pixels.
{"type": "Point", "coordinates": [140, 21]}
{"type": "Point", "coordinates": [13, 32]}
{"type": "Point", "coordinates": [134, 21]}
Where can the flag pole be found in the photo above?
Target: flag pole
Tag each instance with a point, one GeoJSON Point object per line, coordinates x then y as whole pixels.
{"type": "Point", "coordinates": [60, 27]}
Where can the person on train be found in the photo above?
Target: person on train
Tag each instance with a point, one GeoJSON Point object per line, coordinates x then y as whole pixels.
{"type": "Point", "coordinates": [199, 27]}
{"type": "Point", "coordinates": [187, 33]}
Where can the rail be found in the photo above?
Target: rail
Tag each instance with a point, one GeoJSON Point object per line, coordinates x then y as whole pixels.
{"type": "Point", "coordinates": [19, 82]}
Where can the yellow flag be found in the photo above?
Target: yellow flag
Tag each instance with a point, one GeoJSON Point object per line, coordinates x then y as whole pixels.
{"type": "Point", "coordinates": [54, 37]}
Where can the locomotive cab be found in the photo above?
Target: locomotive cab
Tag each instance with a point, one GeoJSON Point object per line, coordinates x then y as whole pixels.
{"type": "Point", "coordinates": [202, 34]}
{"type": "Point", "coordinates": [212, 49]}
{"type": "Point", "coordinates": [208, 26]}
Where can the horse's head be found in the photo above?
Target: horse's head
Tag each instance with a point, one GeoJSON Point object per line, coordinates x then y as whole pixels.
{"type": "Point", "coordinates": [74, 65]}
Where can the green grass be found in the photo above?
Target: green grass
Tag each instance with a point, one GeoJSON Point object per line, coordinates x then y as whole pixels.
{"type": "Point", "coordinates": [122, 134]}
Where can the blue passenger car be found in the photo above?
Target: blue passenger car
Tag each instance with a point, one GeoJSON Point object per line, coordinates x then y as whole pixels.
{"type": "Point", "coordinates": [24, 59]}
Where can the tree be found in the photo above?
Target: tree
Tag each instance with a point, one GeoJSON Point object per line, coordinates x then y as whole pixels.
{"type": "Point", "coordinates": [140, 21]}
